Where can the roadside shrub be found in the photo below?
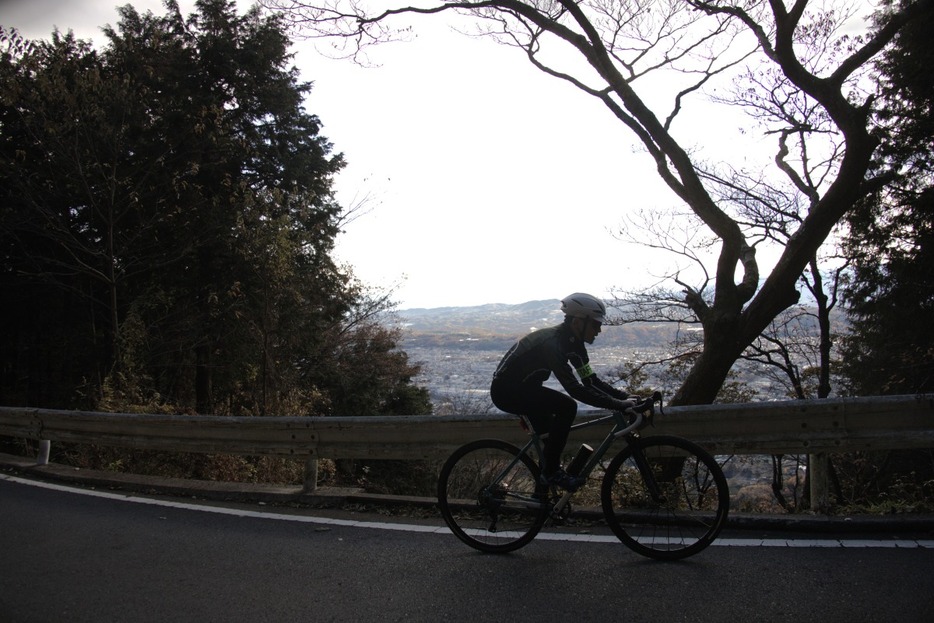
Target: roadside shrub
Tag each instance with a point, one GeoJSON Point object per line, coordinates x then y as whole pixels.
{"type": "Point", "coordinates": [195, 466]}
{"type": "Point", "coordinates": [895, 481]}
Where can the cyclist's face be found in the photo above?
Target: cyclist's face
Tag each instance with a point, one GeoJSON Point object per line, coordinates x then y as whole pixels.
{"type": "Point", "coordinates": [591, 331]}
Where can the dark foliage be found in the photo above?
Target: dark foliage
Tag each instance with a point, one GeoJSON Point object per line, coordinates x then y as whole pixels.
{"type": "Point", "coordinates": [167, 223]}
{"type": "Point", "coordinates": [890, 297]}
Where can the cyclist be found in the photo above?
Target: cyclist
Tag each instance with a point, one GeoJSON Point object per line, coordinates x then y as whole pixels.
{"type": "Point", "coordinates": [518, 388]}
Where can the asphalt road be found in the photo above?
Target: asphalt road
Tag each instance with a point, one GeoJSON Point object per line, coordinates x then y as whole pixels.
{"type": "Point", "coordinates": [72, 557]}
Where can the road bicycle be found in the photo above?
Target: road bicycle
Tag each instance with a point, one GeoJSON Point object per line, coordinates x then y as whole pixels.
{"type": "Point", "coordinates": [663, 496]}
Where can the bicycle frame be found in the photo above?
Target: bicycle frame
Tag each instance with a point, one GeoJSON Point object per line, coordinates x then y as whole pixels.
{"type": "Point", "coordinates": [621, 428]}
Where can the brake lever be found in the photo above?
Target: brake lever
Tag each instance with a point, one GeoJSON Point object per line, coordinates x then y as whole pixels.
{"type": "Point", "coordinates": [647, 409]}
{"type": "Point", "coordinates": [656, 397]}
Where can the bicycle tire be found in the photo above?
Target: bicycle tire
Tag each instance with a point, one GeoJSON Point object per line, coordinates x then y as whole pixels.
{"type": "Point", "coordinates": [487, 508]}
{"type": "Point", "coordinates": [688, 516]}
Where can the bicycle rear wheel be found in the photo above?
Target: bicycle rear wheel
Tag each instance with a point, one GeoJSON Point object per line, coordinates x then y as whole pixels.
{"type": "Point", "coordinates": [490, 497]}
{"type": "Point", "coordinates": [674, 511]}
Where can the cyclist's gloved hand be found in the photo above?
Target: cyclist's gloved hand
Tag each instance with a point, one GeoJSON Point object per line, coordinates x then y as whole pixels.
{"type": "Point", "coordinates": [625, 405]}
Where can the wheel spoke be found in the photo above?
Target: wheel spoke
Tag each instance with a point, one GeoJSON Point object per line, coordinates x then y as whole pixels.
{"type": "Point", "coordinates": [486, 493]}
{"type": "Point", "coordinates": [679, 511]}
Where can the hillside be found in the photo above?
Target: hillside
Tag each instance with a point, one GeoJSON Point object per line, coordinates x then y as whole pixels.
{"type": "Point", "coordinates": [458, 348]}
{"type": "Point", "coordinates": [496, 325]}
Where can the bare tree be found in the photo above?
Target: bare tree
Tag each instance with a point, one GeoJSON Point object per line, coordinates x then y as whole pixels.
{"type": "Point", "coordinates": [644, 60]}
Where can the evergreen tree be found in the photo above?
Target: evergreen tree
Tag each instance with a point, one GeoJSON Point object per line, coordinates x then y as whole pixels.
{"type": "Point", "coordinates": [890, 298]}
{"type": "Point", "coordinates": [168, 225]}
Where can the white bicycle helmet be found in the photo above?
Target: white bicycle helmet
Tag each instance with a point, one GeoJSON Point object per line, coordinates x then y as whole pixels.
{"type": "Point", "coordinates": [580, 305]}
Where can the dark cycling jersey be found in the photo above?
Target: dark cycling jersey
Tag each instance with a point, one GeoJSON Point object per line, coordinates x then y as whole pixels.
{"type": "Point", "coordinates": [555, 350]}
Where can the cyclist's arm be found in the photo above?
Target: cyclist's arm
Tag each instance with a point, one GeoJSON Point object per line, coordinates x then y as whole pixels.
{"type": "Point", "coordinates": [590, 391]}
{"type": "Point", "coordinates": [606, 388]}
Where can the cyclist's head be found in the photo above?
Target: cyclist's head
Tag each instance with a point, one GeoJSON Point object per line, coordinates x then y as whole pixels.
{"type": "Point", "coordinates": [580, 305]}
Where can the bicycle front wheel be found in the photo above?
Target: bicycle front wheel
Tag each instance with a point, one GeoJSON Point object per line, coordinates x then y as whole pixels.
{"type": "Point", "coordinates": [670, 505]}
{"type": "Point", "coordinates": [490, 497]}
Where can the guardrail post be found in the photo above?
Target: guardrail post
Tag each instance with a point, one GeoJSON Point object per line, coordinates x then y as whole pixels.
{"type": "Point", "coordinates": [45, 446]}
{"type": "Point", "coordinates": [819, 475]}
{"type": "Point", "coordinates": [310, 481]}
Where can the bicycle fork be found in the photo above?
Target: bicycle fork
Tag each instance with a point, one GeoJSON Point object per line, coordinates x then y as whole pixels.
{"type": "Point", "coordinates": [648, 475]}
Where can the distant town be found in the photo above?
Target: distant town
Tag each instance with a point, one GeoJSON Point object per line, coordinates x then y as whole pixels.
{"type": "Point", "coordinates": [460, 347]}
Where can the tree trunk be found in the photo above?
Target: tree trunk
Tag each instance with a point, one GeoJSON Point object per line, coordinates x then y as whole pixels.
{"type": "Point", "coordinates": [706, 377]}
{"type": "Point", "coordinates": [204, 400]}
{"type": "Point", "coordinates": [728, 332]}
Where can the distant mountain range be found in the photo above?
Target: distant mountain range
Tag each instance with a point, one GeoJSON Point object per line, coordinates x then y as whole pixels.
{"type": "Point", "coordinates": [459, 347]}
{"type": "Point", "coordinates": [497, 325]}
{"type": "Point", "coordinates": [497, 318]}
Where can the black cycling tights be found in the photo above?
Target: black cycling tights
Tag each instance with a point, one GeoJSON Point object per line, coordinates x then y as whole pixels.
{"type": "Point", "coordinates": [549, 411]}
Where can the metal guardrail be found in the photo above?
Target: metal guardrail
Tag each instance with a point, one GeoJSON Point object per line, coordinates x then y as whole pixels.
{"type": "Point", "coordinates": [789, 427]}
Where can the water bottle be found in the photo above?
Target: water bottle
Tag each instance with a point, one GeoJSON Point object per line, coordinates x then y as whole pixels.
{"type": "Point", "coordinates": [580, 459]}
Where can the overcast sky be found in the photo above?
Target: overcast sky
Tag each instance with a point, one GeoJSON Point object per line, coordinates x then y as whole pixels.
{"type": "Point", "coordinates": [487, 181]}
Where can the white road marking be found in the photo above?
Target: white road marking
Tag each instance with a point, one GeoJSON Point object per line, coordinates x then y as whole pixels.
{"type": "Point", "coordinates": [545, 536]}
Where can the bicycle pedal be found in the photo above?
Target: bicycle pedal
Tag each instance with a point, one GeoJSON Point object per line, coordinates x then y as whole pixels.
{"type": "Point", "coordinates": [562, 517]}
